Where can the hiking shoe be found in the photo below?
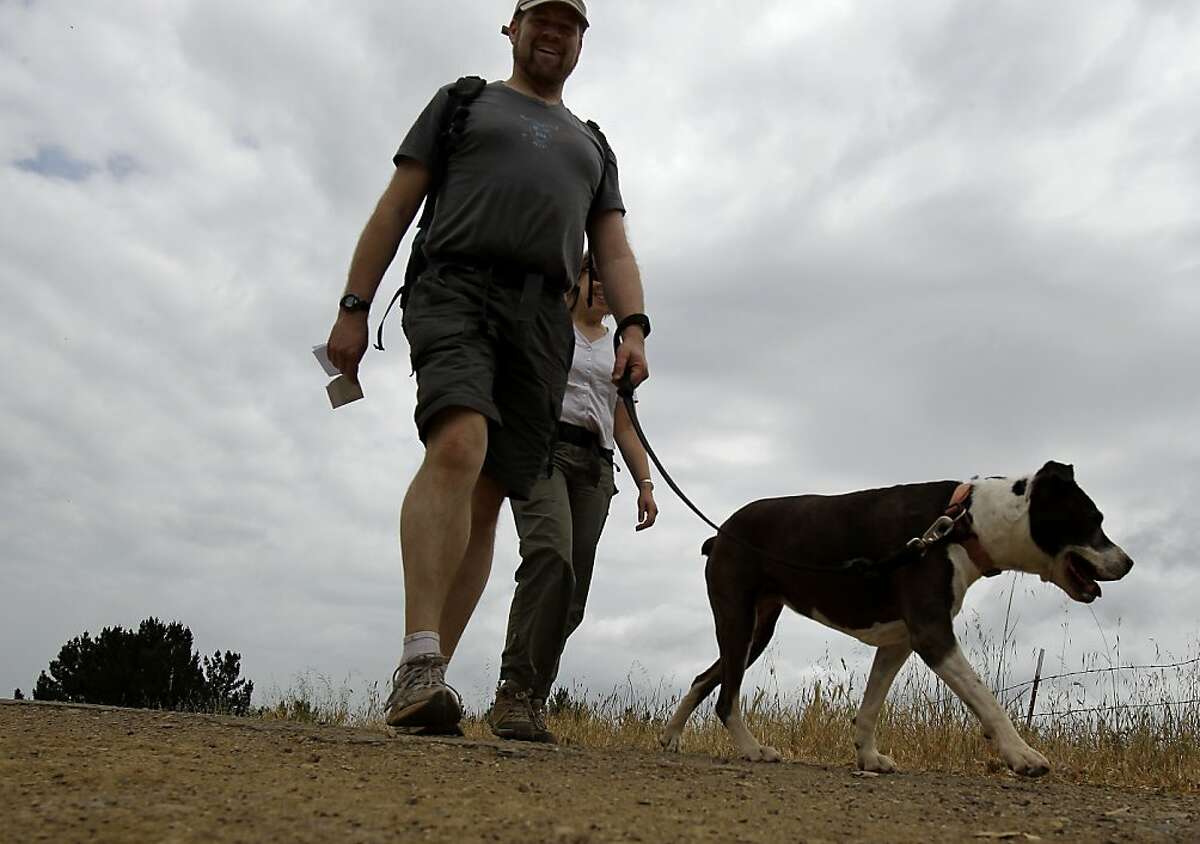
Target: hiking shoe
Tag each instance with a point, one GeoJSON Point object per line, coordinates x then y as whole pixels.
{"type": "Point", "coordinates": [420, 696]}
{"type": "Point", "coordinates": [511, 716]}
{"type": "Point", "coordinates": [538, 707]}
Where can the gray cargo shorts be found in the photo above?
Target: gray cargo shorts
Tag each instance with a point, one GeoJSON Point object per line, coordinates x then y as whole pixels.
{"type": "Point", "coordinates": [502, 350]}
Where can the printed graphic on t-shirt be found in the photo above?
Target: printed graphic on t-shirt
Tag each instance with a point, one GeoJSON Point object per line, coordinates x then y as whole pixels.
{"type": "Point", "coordinates": [538, 133]}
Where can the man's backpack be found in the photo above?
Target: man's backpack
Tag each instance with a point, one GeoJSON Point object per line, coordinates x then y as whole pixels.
{"type": "Point", "coordinates": [453, 121]}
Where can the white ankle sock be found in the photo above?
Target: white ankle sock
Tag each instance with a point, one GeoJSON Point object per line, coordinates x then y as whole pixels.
{"type": "Point", "coordinates": [421, 643]}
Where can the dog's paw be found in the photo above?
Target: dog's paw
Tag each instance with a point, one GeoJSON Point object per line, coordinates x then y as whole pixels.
{"type": "Point", "coordinates": [669, 742]}
{"type": "Point", "coordinates": [876, 763]}
{"type": "Point", "coordinates": [763, 754]}
{"type": "Point", "coordinates": [1027, 762]}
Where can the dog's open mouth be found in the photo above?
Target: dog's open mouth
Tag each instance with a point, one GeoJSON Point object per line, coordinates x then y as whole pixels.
{"type": "Point", "coordinates": [1081, 578]}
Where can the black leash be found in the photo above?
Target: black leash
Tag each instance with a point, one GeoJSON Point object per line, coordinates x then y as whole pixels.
{"type": "Point", "coordinates": [940, 531]}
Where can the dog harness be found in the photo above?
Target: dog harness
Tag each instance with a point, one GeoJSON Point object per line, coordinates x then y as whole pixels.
{"type": "Point", "coordinates": [956, 526]}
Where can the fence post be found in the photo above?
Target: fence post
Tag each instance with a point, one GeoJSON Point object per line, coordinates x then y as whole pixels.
{"type": "Point", "coordinates": [1037, 679]}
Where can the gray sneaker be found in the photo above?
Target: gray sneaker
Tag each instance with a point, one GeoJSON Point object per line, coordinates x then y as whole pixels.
{"type": "Point", "coordinates": [420, 696]}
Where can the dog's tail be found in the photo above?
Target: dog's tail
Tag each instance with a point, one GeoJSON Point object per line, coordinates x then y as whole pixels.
{"type": "Point", "coordinates": [706, 548]}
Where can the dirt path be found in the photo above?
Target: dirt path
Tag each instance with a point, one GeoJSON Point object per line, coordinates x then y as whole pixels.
{"type": "Point", "coordinates": [89, 773]}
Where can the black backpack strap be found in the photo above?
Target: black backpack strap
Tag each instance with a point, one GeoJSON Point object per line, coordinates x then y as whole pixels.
{"type": "Point", "coordinates": [608, 153]}
{"type": "Point", "coordinates": [451, 123]}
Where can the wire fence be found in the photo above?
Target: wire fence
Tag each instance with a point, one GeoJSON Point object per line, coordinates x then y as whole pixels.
{"type": "Point", "coordinates": [1031, 686]}
{"type": "Point", "coordinates": [1118, 708]}
{"type": "Point", "coordinates": [1050, 677]}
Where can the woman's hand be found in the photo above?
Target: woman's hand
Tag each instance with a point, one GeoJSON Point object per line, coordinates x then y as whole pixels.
{"type": "Point", "coordinates": [647, 508]}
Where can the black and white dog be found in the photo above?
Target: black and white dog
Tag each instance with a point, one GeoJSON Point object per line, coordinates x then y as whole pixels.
{"type": "Point", "coordinates": [1043, 524]}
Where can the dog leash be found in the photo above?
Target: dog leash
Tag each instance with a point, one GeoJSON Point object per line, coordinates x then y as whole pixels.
{"type": "Point", "coordinates": [937, 533]}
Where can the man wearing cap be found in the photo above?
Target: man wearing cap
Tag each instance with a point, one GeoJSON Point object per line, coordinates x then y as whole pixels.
{"type": "Point", "coordinates": [488, 330]}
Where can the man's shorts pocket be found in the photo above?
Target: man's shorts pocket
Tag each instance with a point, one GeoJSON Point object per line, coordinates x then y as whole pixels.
{"type": "Point", "coordinates": [436, 317]}
{"type": "Point", "coordinates": [428, 333]}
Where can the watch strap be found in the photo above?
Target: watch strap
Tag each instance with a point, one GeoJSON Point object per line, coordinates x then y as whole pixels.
{"type": "Point", "coordinates": [640, 320]}
{"type": "Point", "coordinates": [354, 304]}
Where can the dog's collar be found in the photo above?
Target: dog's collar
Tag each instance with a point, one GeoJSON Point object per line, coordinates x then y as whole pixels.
{"type": "Point", "coordinates": [964, 534]}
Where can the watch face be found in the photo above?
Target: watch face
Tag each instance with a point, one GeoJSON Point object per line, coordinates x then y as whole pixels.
{"type": "Point", "coordinates": [351, 302]}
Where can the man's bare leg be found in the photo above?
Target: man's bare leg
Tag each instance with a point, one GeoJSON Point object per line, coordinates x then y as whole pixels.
{"type": "Point", "coordinates": [435, 527]}
{"type": "Point", "coordinates": [472, 575]}
{"type": "Point", "coordinates": [435, 520]}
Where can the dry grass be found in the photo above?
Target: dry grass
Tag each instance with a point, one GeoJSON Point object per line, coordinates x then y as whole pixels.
{"type": "Point", "coordinates": [1144, 732]}
{"type": "Point", "coordinates": [921, 728]}
{"type": "Point", "coordinates": [317, 700]}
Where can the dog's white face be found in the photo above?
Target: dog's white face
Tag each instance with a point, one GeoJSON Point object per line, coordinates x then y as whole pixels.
{"type": "Point", "coordinates": [1066, 527]}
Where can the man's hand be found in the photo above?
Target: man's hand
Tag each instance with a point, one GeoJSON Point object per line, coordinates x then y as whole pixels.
{"type": "Point", "coordinates": [631, 357]}
{"type": "Point", "coordinates": [647, 508]}
{"type": "Point", "coordinates": [618, 272]}
{"type": "Point", "coordinates": [348, 342]}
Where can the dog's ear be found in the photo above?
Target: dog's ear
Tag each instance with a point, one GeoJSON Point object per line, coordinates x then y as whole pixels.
{"type": "Point", "coordinates": [1062, 471]}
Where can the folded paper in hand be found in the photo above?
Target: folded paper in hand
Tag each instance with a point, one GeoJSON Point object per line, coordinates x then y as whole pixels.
{"type": "Point", "coordinates": [321, 353]}
{"type": "Point", "coordinates": [341, 389]}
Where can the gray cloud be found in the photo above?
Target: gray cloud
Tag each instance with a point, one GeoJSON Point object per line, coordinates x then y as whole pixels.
{"type": "Point", "coordinates": [55, 162]}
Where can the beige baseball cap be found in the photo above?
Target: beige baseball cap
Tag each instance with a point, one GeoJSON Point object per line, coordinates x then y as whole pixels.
{"type": "Point", "coordinates": [579, 6]}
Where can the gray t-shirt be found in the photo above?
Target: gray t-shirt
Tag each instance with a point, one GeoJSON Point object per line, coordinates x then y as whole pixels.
{"type": "Point", "coordinates": [519, 187]}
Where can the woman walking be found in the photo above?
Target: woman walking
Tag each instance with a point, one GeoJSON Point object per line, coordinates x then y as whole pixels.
{"type": "Point", "coordinates": [560, 524]}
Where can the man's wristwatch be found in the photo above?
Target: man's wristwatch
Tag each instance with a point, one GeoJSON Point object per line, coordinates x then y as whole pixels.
{"type": "Point", "coordinates": [640, 320]}
{"type": "Point", "coordinates": [352, 304]}
{"type": "Point", "coordinates": [647, 483]}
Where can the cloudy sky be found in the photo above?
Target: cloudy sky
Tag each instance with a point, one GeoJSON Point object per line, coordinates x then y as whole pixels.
{"type": "Point", "coordinates": [881, 243]}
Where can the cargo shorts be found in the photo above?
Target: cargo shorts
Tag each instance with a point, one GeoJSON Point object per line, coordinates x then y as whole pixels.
{"type": "Point", "coordinates": [498, 348]}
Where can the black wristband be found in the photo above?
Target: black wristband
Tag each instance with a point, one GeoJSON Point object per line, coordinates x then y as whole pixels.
{"type": "Point", "coordinates": [640, 320]}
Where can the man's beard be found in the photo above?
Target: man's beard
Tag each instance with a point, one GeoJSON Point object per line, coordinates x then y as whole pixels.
{"type": "Point", "coordinates": [544, 72]}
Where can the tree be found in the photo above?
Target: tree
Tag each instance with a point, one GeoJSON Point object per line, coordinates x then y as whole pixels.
{"type": "Point", "coordinates": [17, 695]}
{"type": "Point", "coordinates": [153, 667]}
{"type": "Point", "coordinates": [227, 690]}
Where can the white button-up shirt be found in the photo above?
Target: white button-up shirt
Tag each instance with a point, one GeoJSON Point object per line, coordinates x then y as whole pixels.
{"type": "Point", "coordinates": [591, 397]}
